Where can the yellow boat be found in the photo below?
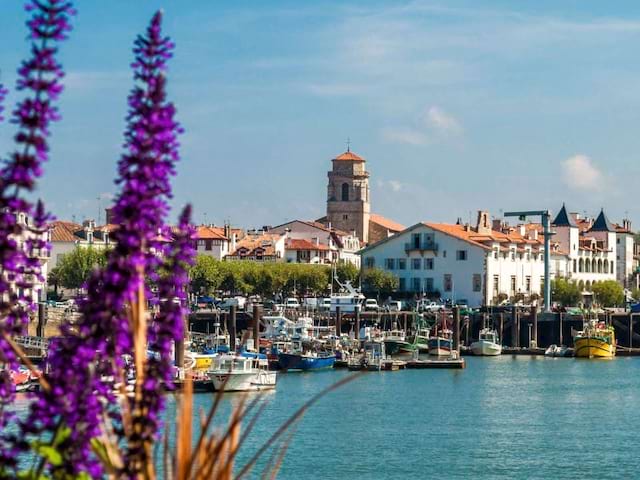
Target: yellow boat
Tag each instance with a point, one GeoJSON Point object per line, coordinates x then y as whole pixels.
{"type": "Point", "coordinates": [595, 340]}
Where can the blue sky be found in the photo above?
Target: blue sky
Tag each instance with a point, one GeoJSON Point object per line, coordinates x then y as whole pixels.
{"type": "Point", "coordinates": [456, 105]}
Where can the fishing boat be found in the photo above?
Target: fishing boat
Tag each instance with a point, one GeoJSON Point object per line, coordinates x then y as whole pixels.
{"type": "Point", "coordinates": [369, 359]}
{"type": "Point", "coordinates": [306, 356]}
{"type": "Point", "coordinates": [396, 342]}
{"type": "Point", "coordinates": [595, 340]}
{"type": "Point", "coordinates": [488, 343]}
{"type": "Point", "coordinates": [242, 373]}
{"type": "Point", "coordinates": [421, 338]}
{"type": "Point", "coordinates": [441, 340]}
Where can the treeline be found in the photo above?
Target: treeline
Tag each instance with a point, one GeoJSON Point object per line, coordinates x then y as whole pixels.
{"type": "Point", "coordinates": [210, 276]}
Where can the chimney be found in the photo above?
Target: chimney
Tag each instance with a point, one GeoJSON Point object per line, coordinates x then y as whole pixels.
{"type": "Point", "coordinates": [467, 227]}
{"type": "Point", "coordinates": [227, 230]}
{"type": "Point", "coordinates": [522, 230]}
{"type": "Point", "coordinates": [459, 222]}
{"type": "Point", "coordinates": [533, 234]}
{"type": "Point", "coordinates": [626, 224]}
{"type": "Point", "coordinates": [497, 224]}
{"type": "Point", "coordinates": [483, 226]}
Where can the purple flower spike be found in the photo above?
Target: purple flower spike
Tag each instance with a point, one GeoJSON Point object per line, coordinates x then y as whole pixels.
{"type": "Point", "coordinates": [3, 94]}
{"type": "Point", "coordinates": [22, 230]}
{"type": "Point", "coordinates": [93, 349]}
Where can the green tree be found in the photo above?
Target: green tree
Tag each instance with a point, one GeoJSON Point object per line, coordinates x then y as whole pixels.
{"type": "Point", "coordinates": [74, 268]}
{"type": "Point", "coordinates": [565, 292]}
{"type": "Point", "coordinates": [55, 279]}
{"type": "Point", "coordinates": [347, 271]}
{"type": "Point", "coordinates": [205, 275]}
{"type": "Point", "coordinates": [608, 293]}
{"type": "Point", "coordinates": [379, 281]}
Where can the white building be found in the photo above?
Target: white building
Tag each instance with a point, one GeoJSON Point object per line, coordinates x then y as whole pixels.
{"type": "Point", "coordinates": [313, 242]}
{"type": "Point", "coordinates": [217, 242]}
{"type": "Point", "coordinates": [260, 247]}
{"type": "Point", "coordinates": [459, 262]}
{"type": "Point", "coordinates": [66, 236]}
{"type": "Point", "coordinates": [626, 255]}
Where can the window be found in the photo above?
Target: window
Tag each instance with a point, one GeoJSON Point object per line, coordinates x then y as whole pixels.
{"type": "Point", "coordinates": [416, 263]}
{"type": "Point", "coordinates": [618, 241]}
{"type": "Point", "coordinates": [461, 255]}
{"type": "Point", "coordinates": [208, 245]}
{"type": "Point", "coordinates": [527, 284]}
{"type": "Point", "coordinates": [402, 284]}
{"type": "Point", "coordinates": [416, 240]}
{"type": "Point", "coordinates": [444, 254]}
{"type": "Point", "coordinates": [495, 253]}
{"type": "Point", "coordinates": [477, 282]}
{"type": "Point", "coordinates": [389, 263]}
{"type": "Point", "coordinates": [345, 217]}
{"type": "Point", "coordinates": [428, 263]}
{"type": "Point", "coordinates": [513, 255]}
{"type": "Point", "coordinates": [513, 284]}
{"type": "Point", "coordinates": [345, 192]}
{"type": "Point", "coordinates": [496, 285]}
{"type": "Point", "coordinates": [611, 267]}
{"type": "Point", "coordinates": [428, 284]}
{"type": "Point", "coordinates": [402, 264]}
{"type": "Point", "coordinates": [574, 265]}
{"type": "Point", "coordinates": [415, 284]}
{"type": "Point", "coordinates": [448, 282]}
{"type": "Point", "coordinates": [370, 262]}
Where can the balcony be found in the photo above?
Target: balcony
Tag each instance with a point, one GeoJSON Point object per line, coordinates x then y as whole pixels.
{"type": "Point", "coordinates": [421, 246]}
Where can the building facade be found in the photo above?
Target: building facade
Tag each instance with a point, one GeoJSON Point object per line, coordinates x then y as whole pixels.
{"type": "Point", "coordinates": [459, 262]}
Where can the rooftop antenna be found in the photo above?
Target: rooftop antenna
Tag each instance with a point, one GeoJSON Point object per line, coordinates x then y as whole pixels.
{"type": "Point", "coordinates": [348, 144]}
{"type": "Point", "coordinates": [99, 209]}
{"type": "Point", "coordinates": [205, 218]}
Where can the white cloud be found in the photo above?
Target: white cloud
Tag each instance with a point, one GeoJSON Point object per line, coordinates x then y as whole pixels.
{"type": "Point", "coordinates": [443, 122]}
{"type": "Point", "coordinates": [404, 136]}
{"type": "Point", "coordinates": [434, 123]}
{"type": "Point", "coordinates": [392, 185]}
{"type": "Point", "coordinates": [580, 173]}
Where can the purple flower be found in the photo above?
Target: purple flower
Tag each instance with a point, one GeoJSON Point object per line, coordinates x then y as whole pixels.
{"type": "Point", "coordinates": [93, 349]}
{"type": "Point", "coordinates": [22, 227]}
{"type": "Point", "coordinates": [3, 94]}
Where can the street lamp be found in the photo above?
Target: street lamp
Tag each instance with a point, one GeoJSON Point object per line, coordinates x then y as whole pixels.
{"type": "Point", "coordinates": [546, 225]}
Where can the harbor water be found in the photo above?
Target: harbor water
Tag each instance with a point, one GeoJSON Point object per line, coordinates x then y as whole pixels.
{"type": "Point", "coordinates": [502, 417]}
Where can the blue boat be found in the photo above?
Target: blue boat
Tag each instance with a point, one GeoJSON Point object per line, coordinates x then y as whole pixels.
{"type": "Point", "coordinates": [440, 346]}
{"type": "Point", "coordinates": [306, 361]}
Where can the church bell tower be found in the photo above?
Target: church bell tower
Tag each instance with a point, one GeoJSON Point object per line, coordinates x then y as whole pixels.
{"type": "Point", "coordinates": [348, 203]}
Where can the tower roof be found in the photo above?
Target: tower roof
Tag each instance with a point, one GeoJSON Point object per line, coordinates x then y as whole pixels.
{"type": "Point", "coordinates": [350, 156]}
{"type": "Point", "coordinates": [563, 219]}
{"type": "Point", "coordinates": [602, 224]}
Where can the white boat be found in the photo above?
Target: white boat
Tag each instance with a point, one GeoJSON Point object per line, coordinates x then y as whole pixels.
{"type": "Point", "coordinates": [242, 373]}
{"type": "Point", "coordinates": [488, 343]}
{"type": "Point", "coordinates": [557, 351]}
{"type": "Point", "coordinates": [349, 300]}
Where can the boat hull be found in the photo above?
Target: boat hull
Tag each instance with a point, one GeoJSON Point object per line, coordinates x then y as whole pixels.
{"type": "Point", "coordinates": [485, 348]}
{"type": "Point", "coordinates": [589, 347]}
{"type": "Point", "coordinates": [243, 382]}
{"type": "Point", "coordinates": [290, 361]}
{"type": "Point", "coordinates": [439, 346]}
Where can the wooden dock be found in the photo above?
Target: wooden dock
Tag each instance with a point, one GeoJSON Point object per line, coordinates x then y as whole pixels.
{"type": "Point", "coordinates": [456, 363]}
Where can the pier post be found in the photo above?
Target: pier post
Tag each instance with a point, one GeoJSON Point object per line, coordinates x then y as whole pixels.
{"type": "Point", "coordinates": [467, 324]}
{"type": "Point", "coordinates": [560, 329]}
{"type": "Point", "coordinates": [630, 330]}
{"type": "Point", "coordinates": [358, 324]}
{"type": "Point", "coordinates": [534, 313]}
{"type": "Point", "coordinates": [501, 318]}
{"type": "Point", "coordinates": [514, 327]}
{"type": "Point", "coordinates": [231, 326]}
{"type": "Point", "coordinates": [41, 320]}
{"type": "Point", "coordinates": [338, 322]}
{"type": "Point", "coordinates": [256, 327]}
{"type": "Point", "coordinates": [456, 328]}
{"type": "Point", "coordinates": [178, 352]}
{"type": "Point", "coordinates": [404, 320]}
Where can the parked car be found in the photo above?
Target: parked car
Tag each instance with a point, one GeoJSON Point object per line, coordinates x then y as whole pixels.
{"type": "Point", "coordinates": [429, 306]}
{"type": "Point", "coordinates": [393, 306]}
{"type": "Point", "coordinates": [291, 303]}
{"type": "Point", "coordinates": [371, 305]}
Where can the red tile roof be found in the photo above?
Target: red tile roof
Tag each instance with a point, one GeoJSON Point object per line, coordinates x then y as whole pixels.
{"type": "Point", "coordinates": [386, 223]}
{"type": "Point", "coordinates": [62, 231]}
{"type": "Point", "coordinates": [204, 232]}
{"type": "Point", "coordinates": [303, 244]}
{"type": "Point", "coordinates": [349, 155]}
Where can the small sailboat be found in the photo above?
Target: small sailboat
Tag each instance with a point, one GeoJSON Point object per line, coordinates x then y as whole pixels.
{"type": "Point", "coordinates": [488, 343]}
{"type": "Point", "coordinates": [242, 373]}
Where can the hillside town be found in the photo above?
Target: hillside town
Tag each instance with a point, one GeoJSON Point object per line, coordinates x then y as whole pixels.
{"type": "Point", "coordinates": [481, 263]}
